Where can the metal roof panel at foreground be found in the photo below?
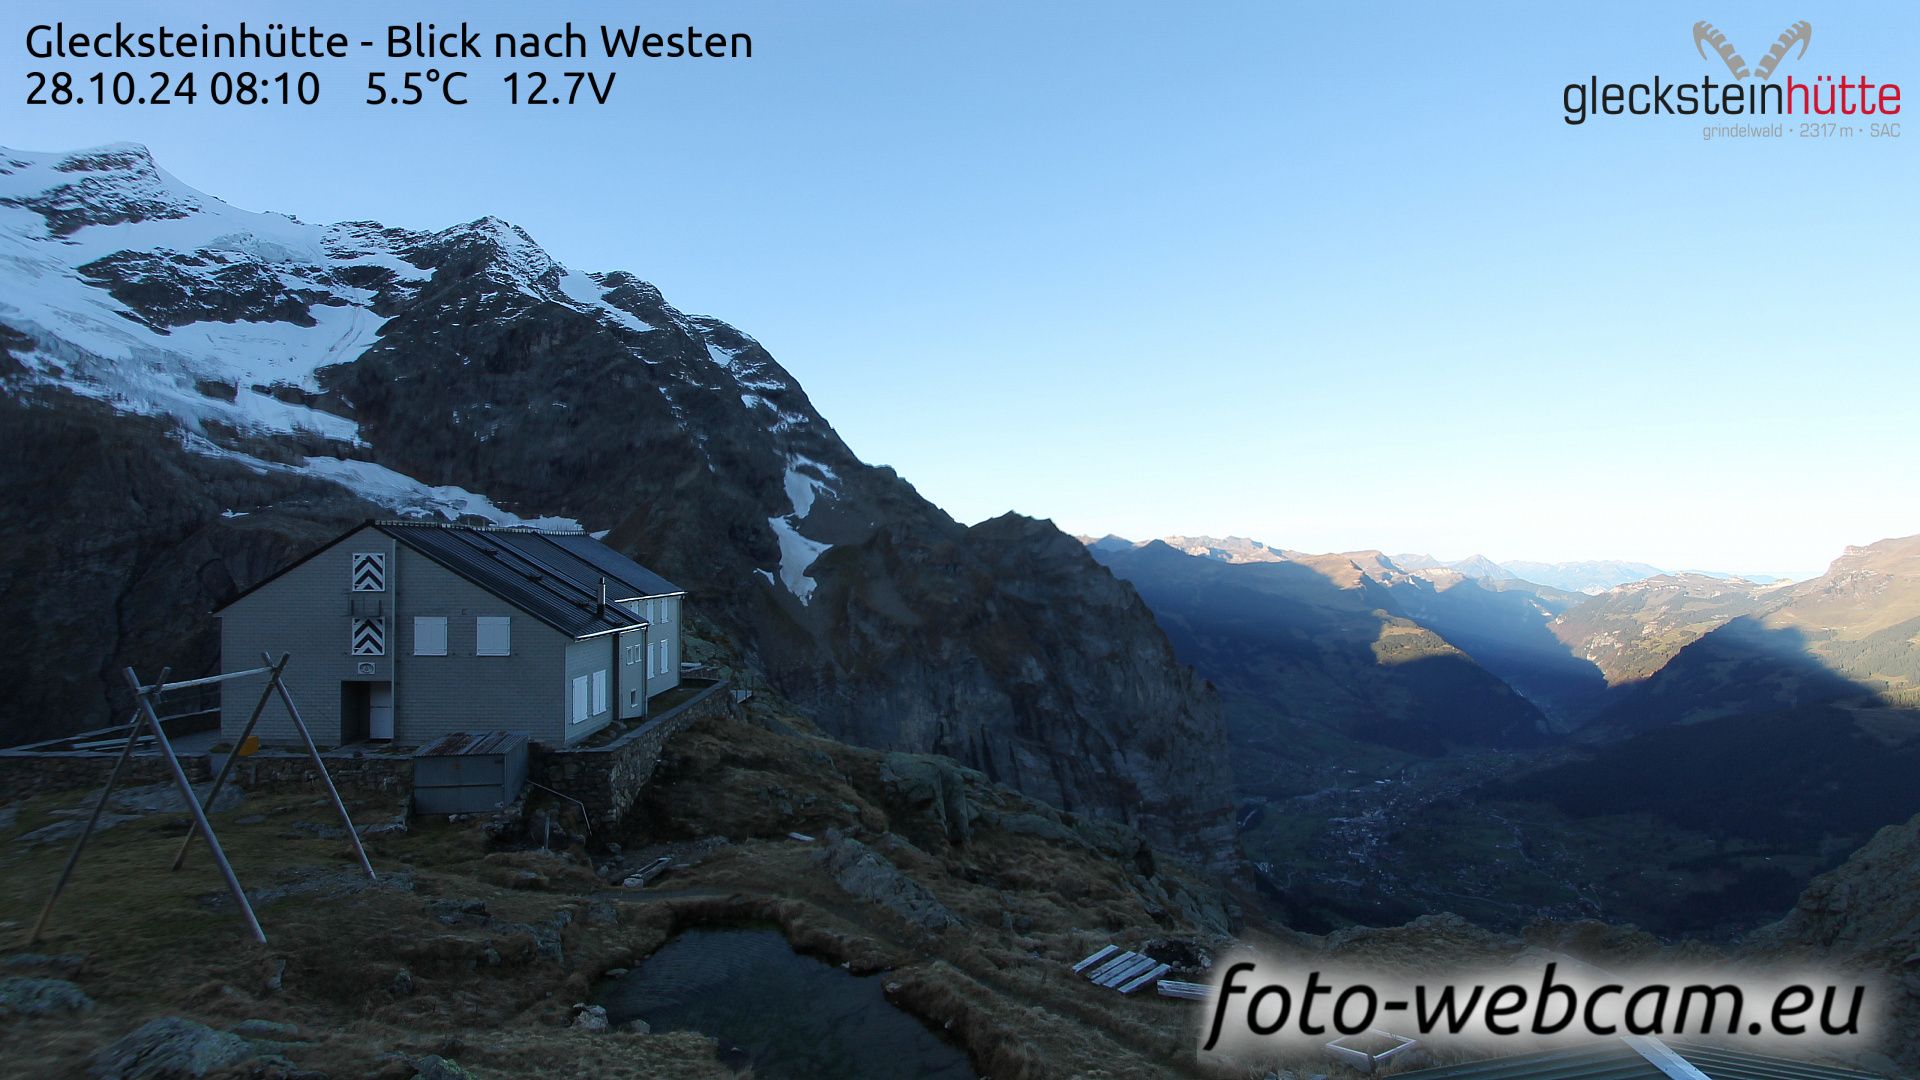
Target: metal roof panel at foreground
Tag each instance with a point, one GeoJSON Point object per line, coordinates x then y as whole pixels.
{"type": "Point", "coordinates": [1615, 1060]}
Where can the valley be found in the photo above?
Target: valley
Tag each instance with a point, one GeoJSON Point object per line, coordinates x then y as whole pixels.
{"type": "Point", "coordinates": [1682, 752]}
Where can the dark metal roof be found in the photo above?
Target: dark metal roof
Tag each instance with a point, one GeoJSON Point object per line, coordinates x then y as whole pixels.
{"type": "Point", "coordinates": [638, 581]}
{"type": "Point", "coordinates": [1611, 1060]}
{"type": "Point", "coordinates": [1721, 1062]}
{"type": "Point", "coordinates": [525, 568]}
{"type": "Point", "coordinates": [1615, 1060]}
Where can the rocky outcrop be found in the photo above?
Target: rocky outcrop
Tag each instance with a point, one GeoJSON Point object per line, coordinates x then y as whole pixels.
{"type": "Point", "coordinates": [1865, 914]}
{"type": "Point", "coordinates": [165, 460]}
{"type": "Point", "coordinates": [934, 789]}
{"type": "Point", "coordinates": [169, 1048]}
{"type": "Point", "coordinates": [868, 875]}
{"type": "Point", "coordinates": [41, 997]}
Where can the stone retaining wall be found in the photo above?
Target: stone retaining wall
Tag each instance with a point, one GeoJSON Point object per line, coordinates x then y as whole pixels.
{"type": "Point", "coordinates": [383, 774]}
{"type": "Point", "coordinates": [24, 775]}
{"type": "Point", "coordinates": [608, 778]}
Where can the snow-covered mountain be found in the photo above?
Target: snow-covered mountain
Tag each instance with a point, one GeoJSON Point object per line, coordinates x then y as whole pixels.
{"type": "Point", "coordinates": [141, 292]}
{"type": "Point", "coordinates": [198, 392]}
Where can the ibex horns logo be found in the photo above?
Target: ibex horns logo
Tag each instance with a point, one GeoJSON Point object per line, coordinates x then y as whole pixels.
{"type": "Point", "coordinates": [1705, 34]}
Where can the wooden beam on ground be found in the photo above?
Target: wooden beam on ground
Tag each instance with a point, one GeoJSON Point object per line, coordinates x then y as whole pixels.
{"type": "Point", "coordinates": [1139, 981]}
{"type": "Point", "coordinates": [1105, 951]}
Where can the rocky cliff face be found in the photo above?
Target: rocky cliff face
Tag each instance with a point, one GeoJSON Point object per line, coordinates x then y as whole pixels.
{"type": "Point", "coordinates": [203, 391]}
{"type": "Point", "coordinates": [1866, 913]}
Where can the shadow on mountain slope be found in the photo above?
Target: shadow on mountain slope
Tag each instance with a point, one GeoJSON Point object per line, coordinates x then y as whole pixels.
{"type": "Point", "coordinates": [1741, 668]}
{"type": "Point", "coordinates": [1293, 647]}
{"type": "Point", "coordinates": [1507, 627]}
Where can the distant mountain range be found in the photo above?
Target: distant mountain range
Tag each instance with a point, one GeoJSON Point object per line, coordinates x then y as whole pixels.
{"type": "Point", "coordinates": [1590, 576]}
{"type": "Point", "coordinates": [1736, 735]}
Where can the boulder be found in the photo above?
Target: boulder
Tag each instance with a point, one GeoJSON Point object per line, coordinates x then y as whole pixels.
{"type": "Point", "coordinates": [169, 1048]}
{"type": "Point", "coordinates": [268, 1030]}
{"type": "Point", "coordinates": [1040, 826]}
{"type": "Point", "coordinates": [589, 1017]}
{"type": "Point", "coordinates": [865, 873]}
{"type": "Point", "coordinates": [61, 832]}
{"type": "Point", "coordinates": [935, 788]}
{"type": "Point", "coordinates": [435, 1067]}
{"type": "Point", "coordinates": [41, 997]}
{"type": "Point", "coordinates": [54, 961]}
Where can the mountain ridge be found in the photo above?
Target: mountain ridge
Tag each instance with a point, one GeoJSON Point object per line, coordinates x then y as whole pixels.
{"type": "Point", "coordinates": [219, 386]}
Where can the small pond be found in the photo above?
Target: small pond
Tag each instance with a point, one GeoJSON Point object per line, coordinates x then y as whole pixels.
{"type": "Point", "coordinates": [792, 1017]}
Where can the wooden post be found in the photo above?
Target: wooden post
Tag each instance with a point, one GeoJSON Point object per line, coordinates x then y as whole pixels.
{"type": "Point", "coordinates": [266, 695]}
{"type": "Point", "coordinates": [325, 777]}
{"type": "Point", "coordinates": [146, 699]}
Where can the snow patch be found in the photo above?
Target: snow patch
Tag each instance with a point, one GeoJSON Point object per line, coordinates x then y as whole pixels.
{"type": "Point", "coordinates": [588, 294]}
{"type": "Point", "coordinates": [797, 556]}
{"type": "Point", "coordinates": [802, 489]}
{"type": "Point", "coordinates": [377, 483]}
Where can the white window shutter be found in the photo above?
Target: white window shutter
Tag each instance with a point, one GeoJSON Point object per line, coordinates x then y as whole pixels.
{"type": "Point", "coordinates": [599, 692]}
{"type": "Point", "coordinates": [579, 699]}
{"type": "Point", "coordinates": [430, 635]}
{"type": "Point", "coordinates": [493, 635]}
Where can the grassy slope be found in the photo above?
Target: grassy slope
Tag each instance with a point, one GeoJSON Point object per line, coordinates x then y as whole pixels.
{"type": "Point", "coordinates": [159, 943]}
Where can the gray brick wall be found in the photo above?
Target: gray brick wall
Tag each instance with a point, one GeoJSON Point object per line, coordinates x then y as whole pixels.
{"type": "Point", "coordinates": [632, 675]}
{"type": "Point", "coordinates": [583, 659]}
{"type": "Point", "coordinates": [307, 612]}
{"type": "Point", "coordinates": [666, 628]}
{"type": "Point", "coordinates": [435, 695]}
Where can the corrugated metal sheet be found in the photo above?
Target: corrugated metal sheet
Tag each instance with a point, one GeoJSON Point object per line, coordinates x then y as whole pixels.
{"type": "Point", "coordinates": [1615, 1060]}
{"type": "Point", "coordinates": [1611, 1060]}
{"type": "Point", "coordinates": [1722, 1063]}
{"type": "Point", "coordinates": [469, 774]}
{"type": "Point", "coordinates": [457, 743]}
{"type": "Point", "coordinates": [524, 568]}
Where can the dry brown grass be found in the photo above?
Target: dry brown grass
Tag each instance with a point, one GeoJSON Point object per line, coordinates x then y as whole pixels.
{"type": "Point", "coordinates": [162, 943]}
{"type": "Point", "coordinates": [484, 995]}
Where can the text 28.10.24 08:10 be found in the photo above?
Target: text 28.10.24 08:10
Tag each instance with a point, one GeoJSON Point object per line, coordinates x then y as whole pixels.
{"type": "Point", "coordinates": [429, 87]}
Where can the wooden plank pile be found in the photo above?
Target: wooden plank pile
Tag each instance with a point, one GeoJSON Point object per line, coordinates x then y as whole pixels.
{"type": "Point", "coordinates": [1189, 990]}
{"type": "Point", "coordinates": [643, 877]}
{"type": "Point", "coordinates": [1123, 971]}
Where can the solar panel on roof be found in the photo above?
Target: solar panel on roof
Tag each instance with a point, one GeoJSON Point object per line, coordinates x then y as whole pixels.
{"type": "Point", "coordinates": [517, 574]}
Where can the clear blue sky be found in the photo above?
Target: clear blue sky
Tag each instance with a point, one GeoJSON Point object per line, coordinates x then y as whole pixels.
{"type": "Point", "coordinates": [1330, 278]}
